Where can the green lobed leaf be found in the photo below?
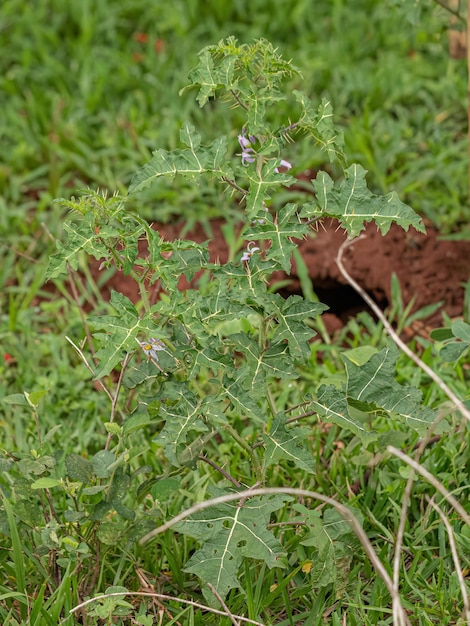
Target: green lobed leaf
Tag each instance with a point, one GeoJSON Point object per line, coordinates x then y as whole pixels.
{"type": "Point", "coordinates": [120, 332]}
{"type": "Point", "coordinates": [260, 183]}
{"type": "Point", "coordinates": [137, 373]}
{"type": "Point", "coordinates": [182, 413]}
{"type": "Point", "coordinates": [248, 285]}
{"type": "Point", "coordinates": [209, 77]}
{"type": "Point", "coordinates": [251, 73]}
{"type": "Point", "coordinates": [318, 123]}
{"type": "Point", "coordinates": [287, 443]}
{"type": "Point", "coordinates": [191, 161]}
{"type": "Point", "coordinates": [228, 532]}
{"type": "Point", "coordinates": [334, 545]}
{"type": "Point", "coordinates": [374, 383]}
{"type": "Point", "coordinates": [242, 400]}
{"type": "Point", "coordinates": [81, 237]}
{"type": "Point", "coordinates": [331, 403]}
{"type": "Point", "coordinates": [261, 365]}
{"type": "Point", "coordinates": [290, 314]}
{"type": "Point", "coordinates": [354, 204]}
{"type": "Point", "coordinates": [279, 230]}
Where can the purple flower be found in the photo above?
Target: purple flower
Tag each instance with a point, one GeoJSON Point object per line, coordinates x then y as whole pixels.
{"type": "Point", "coordinates": [285, 164]}
{"type": "Point", "coordinates": [247, 150]}
{"type": "Point", "coordinates": [244, 141]}
{"type": "Point", "coordinates": [152, 347]}
{"type": "Point", "coordinates": [249, 252]}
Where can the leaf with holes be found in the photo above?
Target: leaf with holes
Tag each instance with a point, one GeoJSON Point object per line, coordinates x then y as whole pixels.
{"type": "Point", "coordinates": [229, 532]}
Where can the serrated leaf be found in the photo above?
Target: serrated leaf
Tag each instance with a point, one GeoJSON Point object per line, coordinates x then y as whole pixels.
{"type": "Point", "coordinates": [120, 332]}
{"type": "Point", "coordinates": [81, 237]}
{"type": "Point", "coordinates": [260, 184]}
{"type": "Point", "coordinates": [331, 403]}
{"type": "Point", "coordinates": [191, 161]}
{"type": "Point", "coordinates": [273, 362]}
{"type": "Point", "coordinates": [319, 124]}
{"type": "Point", "coordinates": [282, 443]}
{"type": "Point", "coordinates": [354, 204]}
{"type": "Point", "coordinates": [250, 286]}
{"type": "Point", "coordinates": [209, 78]}
{"type": "Point", "coordinates": [229, 532]}
{"type": "Point", "coordinates": [187, 258]}
{"type": "Point", "coordinates": [242, 401]}
{"type": "Point", "coordinates": [374, 383]}
{"type": "Point", "coordinates": [181, 411]}
{"type": "Point", "coordinates": [290, 315]}
{"type": "Point", "coordinates": [137, 373]}
{"type": "Point", "coordinates": [279, 231]}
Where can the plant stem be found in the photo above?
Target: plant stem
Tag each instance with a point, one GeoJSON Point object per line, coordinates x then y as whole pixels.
{"type": "Point", "coordinates": [455, 12]}
{"type": "Point", "coordinates": [220, 470]}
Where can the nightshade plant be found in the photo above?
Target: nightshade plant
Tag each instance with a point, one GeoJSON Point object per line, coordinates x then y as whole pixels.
{"type": "Point", "coordinates": [207, 364]}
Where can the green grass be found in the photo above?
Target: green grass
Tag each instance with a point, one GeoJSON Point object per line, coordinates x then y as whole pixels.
{"type": "Point", "coordinates": [84, 101]}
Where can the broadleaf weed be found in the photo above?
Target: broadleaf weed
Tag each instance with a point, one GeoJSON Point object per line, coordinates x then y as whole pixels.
{"type": "Point", "coordinates": [214, 389]}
